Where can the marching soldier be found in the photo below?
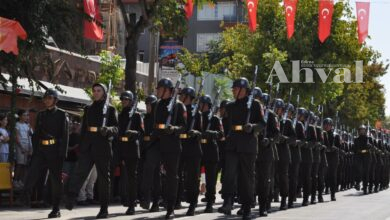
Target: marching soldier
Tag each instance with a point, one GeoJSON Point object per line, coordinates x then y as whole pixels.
{"type": "Point", "coordinates": [130, 131]}
{"type": "Point", "coordinates": [332, 155]}
{"type": "Point", "coordinates": [287, 137]}
{"type": "Point", "coordinates": [189, 169]}
{"type": "Point", "coordinates": [168, 125]}
{"type": "Point", "coordinates": [266, 156]}
{"type": "Point", "coordinates": [50, 142]}
{"type": "Point", "coordinates": [241, 148]}
{"type": "Point", "coordinates": [317, 147]}
{"type": "Point", "coordinates": [322, 137]}
{"type": "Point", "coordinates": [374, 160]}
{"type": "Point", "coordinates": [97, 132]}
{"type": "Point", "coordinates": [212, 131]}
{"type": "Point", "coordinates": [150, 182]}
{"type": "Point", "coordinates": [222, 142]}
{"type": "Point", "coordinates": [362, 158]}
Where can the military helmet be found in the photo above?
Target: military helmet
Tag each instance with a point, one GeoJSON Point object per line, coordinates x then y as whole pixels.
{"type": "Point", "coordinates": [51, 92]}
{"type": "Point", "coordinates": [290, 107]}
{"type": "Point", "coordinates": [328, 121]}
{"type": "Point", "coordinates": [224, 103]}
{"type": "Point", "coordinates": [241, 83]}
{"type": "Point", "coordinates": [362, 127]}
{"type": "Point", "coordinates": [127, 95]}
{"type": "Point", "coordinates": [265, 98]}
{"type": "Point", "coordinates": [104, 87]}
{"type": "Point", "coordinates": [279, 103]}
{"type": "Point", "coordinates": [165, 83]}
{"type": "Point", "coordinates": [205, 99]}
{"type": "Point", "coordinates": [189, 91]}
{"type": "Point", "coordinates": [150, 99]}
{"type": "Point", "coordinates": [302, 111]}
{"type": "Point", "coordinates": [257, 93]}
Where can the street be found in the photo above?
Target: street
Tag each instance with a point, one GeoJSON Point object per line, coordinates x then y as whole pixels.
{"type": "Point", "coordinates": [349, 205]}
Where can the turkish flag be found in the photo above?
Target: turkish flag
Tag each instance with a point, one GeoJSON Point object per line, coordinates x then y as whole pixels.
{"type": "Point", "coordinates": [252, 12]}
{"type": "Point", "coordinates": [92, 30]}
{"type": "Point", "coordinates": [363, 15]}
{"type": "Point", "coordinates": [325, 14]}
{"type": "Point", "coordinates": [189, 8]}
{"type": "Point", "coordinates": [10, 31]}
{"type": "Point", "coordinates": [290, 7]}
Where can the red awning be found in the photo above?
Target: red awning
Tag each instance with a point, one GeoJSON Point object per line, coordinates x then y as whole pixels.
{"type": "Point", "coordinates": [10, 30]}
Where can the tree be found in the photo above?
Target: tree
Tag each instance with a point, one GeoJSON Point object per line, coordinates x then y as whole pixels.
{"type": "Point", "coordinates": [355, 102]}
{"type": "Point", "coordinates": [40, 20]}
{"type": "Point", "coordinates": [166, 16]}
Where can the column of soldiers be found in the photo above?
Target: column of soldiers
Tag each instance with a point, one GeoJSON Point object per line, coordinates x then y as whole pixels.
{"type": "Point", "coordinates": [264, 149]}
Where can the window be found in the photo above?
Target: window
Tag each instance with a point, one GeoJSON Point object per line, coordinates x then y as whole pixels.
{"type": "Point", "coordinates": [203, 39]}
{"type": "Point", "coordinates": [220, 11]}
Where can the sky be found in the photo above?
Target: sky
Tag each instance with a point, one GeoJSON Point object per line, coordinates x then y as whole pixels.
{"type": "Point", "coordinates": [379, 31]}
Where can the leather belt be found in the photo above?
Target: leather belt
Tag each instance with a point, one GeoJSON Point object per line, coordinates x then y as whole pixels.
{"type": "Point", "coordinates": [160, 126]}
{"type": "Point", "coordinates": [223, 139]}
{"type": "Point", "coordinates": [146, 138]}
{"type": "Point", "coordinates": [48, 142]}
{"type": "Point", "coordinates": [93, 129]}
{"type": "Point", "coordinates": [237, 127]}
{"type": "Point", "coordinates": [203, 141]}
{"type": "Point", "coordinates": [183, 136]}
{"type": "Point", "coordinates": [124, 139]}
{"type": "Point", "coordinates": [363, 151]}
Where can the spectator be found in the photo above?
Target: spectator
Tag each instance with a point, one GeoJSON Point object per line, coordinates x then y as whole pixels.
{"type": "Point", "coordinates": [74, 141]}
{"type": "Point", "coordinates": [4, 139]}
{"type": "Point", "coordinates": [86, 192]}
{"type": "Point", "coordinates": [23, 147]}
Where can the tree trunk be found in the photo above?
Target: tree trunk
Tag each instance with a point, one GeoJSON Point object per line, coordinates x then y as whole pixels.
{"type": "Point", "coordinates": [131, 51]}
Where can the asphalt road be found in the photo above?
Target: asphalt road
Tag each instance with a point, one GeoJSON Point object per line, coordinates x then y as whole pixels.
{"type": "Point", "coordinates": [349, 205]}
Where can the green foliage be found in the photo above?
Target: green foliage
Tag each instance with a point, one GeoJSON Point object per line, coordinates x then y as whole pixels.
{"type": "Point", "coordinates": [194, 64]}
{"type": "Point", "coordinates": [224, 84]}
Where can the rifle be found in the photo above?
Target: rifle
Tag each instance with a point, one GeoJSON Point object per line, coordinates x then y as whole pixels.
{"type": "Point", "coordinates": [286, 111]}
{"type": "Point", "coordinates": [132, 111]}
{"type": "Point", "coordinates": [250, 98]}
{"type": "Point", "coordinates": [276, 96]}
{"type": "Point", "coordinates": [296, 113]}
{"type": "Point", "coordinates": [336, 122]}
{"type": "Point", "coordinates": [268, 106]}
{"type": "Point", "coordinates": [214, 109]}
{"type": "Point", "coordinates": [172, 102]}
{"type": "Point", "coordinates": [196, 106]}
{"type": "Point", "coordinates": [106, 103]}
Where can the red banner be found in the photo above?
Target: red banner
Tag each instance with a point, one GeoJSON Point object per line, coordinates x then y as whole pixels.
{"type": "Point", "coordinates": [10, 31]}
{"type": "Point", "coordinates": [290, 8]}
{"type": "Point", "coordinates": [325, 14]}
{"type": "Point", "coordinates": [189, 8]}
{"type": "Point", "coordinates": [252, 12]}
{"type": "Point", "coordinates": [363, 15]}
{"type": "Point", "coordinates": [92, 30]}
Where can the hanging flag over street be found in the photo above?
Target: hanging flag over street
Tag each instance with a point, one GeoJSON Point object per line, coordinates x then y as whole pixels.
{"type": "Point", "coordinates": [10, 31]}
{"type": "Point", "coordinates": [252, 13]}
{"type": "Point", "coordinates": [325, 14]}
{"type": "Point", "coordinates": [92, 27]}
{"type": "Point", "coordinates": [189, 8]}
{"type": "Point", "coordinates": [363, 15]}
{"type": "Point", "coordinates": [290, 8]}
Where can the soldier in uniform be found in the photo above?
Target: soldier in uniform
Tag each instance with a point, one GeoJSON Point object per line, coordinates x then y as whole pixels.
{"type": "Point", "coordinates": [168, 141]}
{"type": "Point", "coordinates": [96, 148]}
{"type": "Point", "coordinates": [332, 155]}
{"type": "Point", "coordinates": [266, 156]}
{"type": "Point", "coordinates": [50, 142]}
{"type": "Point", "coordinates": [222, 142]}
{"type": "Point", "coordinates": [296, 159]}
{"type": "Point", "coordinates": [317, 147]}
{"type": "Point", "coordinates": [341, 167]}
{"type": "Point", "coordinates": [287, 137]}
{"type": "Point", "coordinates": [189, 168]}
{"type": "Point", "coordinates": [212, 131]}
{"type": "Point", "coordinates": [374, 160]}
{"type": "Point", "coordinates": [241, 148]}
{"type": "Point", "coordinates": [130, 131]}
{"type": "Point", "coordinates": [322, 136]}
{"type": "Point", "coordinates": [150, 182]}
{"type": "Point", "coordinates": [362, 158]}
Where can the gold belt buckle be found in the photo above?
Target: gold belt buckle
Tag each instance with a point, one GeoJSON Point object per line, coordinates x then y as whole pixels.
{"type": "Point", "coordinates": [364, 151]}
{"type": "Point", "coordinates": [223, 139]}
{"type": "Point", "coordinates": [45, 142]}
{"type": "Point", "coordinates": [124, 139]}
{"type": "Point", "coordinates": [237, 127]}
{"type": "Point", "coordinates": [93, 129]}
{"type": "Point", "coordinates": [203, 141]}
{"type": "Point", "coordinates": [161, 126]}
{"type": "Point", "coordinates": [48, 142]}
{"type": "Point", "coordinates": [183, 136]}
{"type": "Point", "coordinates": [147, 138]}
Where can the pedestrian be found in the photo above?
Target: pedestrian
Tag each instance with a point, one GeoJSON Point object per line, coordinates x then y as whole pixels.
{"type": "Point", "coordinates": [50, 144]}
{"type": "Point", "coordinates": [4, 139]}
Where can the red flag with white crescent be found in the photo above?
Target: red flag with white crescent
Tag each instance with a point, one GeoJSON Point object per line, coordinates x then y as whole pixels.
{"type": "Point", "coordinates": [290, 8]}
{"type": "Point", "coordinates": [252, 13]}
{"type": "Point", "coordinates": [363, 15]}
{"type": "Point", "coordinates": [10, 31]}
{"type": "Point", "coordinates": [189, 8]}
{"type": "Point", "coordinates": [325, 14]}
{"type": "Point", "coordinates": [92, 30]}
